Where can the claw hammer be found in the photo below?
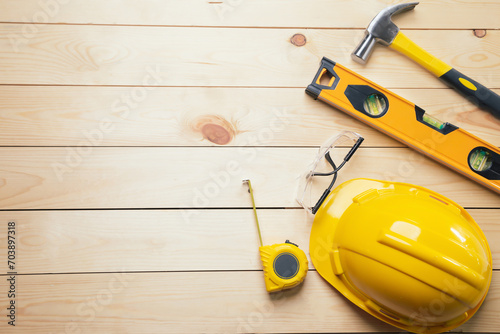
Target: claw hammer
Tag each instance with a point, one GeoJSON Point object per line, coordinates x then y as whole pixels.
{"type": "Point", "coordinates": [381, 29]}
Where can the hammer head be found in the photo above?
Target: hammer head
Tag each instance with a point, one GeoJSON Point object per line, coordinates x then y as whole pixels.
{"type": "Point", "coordinates": [381, 29]}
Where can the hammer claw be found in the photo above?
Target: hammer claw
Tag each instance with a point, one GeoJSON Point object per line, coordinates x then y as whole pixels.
{"type": "Point", "coordinates": [381, 29]}
{"type": "Point", "coordinates": [399, 8]}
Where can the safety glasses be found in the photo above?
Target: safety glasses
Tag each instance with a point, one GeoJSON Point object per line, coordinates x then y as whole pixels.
{"type": "Point", "coordinates": [330, 159]}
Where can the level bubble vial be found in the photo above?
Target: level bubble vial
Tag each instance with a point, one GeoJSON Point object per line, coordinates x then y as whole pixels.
{"type": "Point", "coordinates": [480, 160]}
{"type": "Point", "coordinates": [375, 104]}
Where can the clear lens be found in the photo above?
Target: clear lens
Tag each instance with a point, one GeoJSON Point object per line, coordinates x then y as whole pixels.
{"type": "Point", "coordinates": [310, 187]}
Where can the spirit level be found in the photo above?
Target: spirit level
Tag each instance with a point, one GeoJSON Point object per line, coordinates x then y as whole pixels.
{"type": "Point", "coordinates": [407, 123]}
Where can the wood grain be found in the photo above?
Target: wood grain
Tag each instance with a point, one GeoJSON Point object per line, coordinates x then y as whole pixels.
{"type": "Point", "coordinates": [444, 14]}
{"type": "Point", "coordinates": [121, 55]}
{"type": "Point", "coordinates": [93, 177]}
{"type": "Point", "coordinates": [65, 116]}
{"type": "Point", "coordinates": [133, 94]}
{"type": "Point", "coordinates": [160, 240]}
{"type": "Point", "coordinates": [208, 302]}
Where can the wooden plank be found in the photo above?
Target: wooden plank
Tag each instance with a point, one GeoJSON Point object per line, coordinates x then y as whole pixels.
{"type": "Point", "coordinates": [121, 55]}
{"type": "Point", "coordinates": [96, 177]}
{"type": "Point", "coordinates": [159, 240]}
{"type": "Point", "coordinates": [448, 14]}
{"type": "Point", "coordinates": [176, 116]}
{"type": "Point", "coordinates": [208, 302]}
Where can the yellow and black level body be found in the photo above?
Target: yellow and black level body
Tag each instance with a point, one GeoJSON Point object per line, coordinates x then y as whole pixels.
{"type": "Point", "coordinates": [407, 123]}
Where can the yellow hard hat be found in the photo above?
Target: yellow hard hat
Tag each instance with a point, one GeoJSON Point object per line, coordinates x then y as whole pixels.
{"type": "Point", "coordinates": [402, 253]}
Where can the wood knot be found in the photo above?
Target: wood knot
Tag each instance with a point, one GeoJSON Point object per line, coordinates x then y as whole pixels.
{"type": "Point", "coordinates": [215, 129]}
{"type": "Point", "coordinates": [479, 33]}
{"type": "Point", "coordinates": [298, 40]}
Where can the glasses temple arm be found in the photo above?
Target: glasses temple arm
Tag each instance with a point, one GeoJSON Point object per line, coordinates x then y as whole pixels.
{"type": "Point", "coordinates": [335, 170]}
{"type": "Point", "coordinates": [354, 148]}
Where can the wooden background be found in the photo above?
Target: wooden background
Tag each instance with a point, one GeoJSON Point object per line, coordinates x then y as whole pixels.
{"type": "Point", "coordinates": [127, 126]}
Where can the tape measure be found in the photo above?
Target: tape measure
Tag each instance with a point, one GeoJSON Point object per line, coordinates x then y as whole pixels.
{"type": "Point", "coordinates": [285, 265]}
{"type": "Point", "coordinates": [407, 123]}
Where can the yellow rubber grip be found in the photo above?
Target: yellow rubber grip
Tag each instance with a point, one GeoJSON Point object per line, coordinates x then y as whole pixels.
{"type": "Point", "coordinates": [404, 45]}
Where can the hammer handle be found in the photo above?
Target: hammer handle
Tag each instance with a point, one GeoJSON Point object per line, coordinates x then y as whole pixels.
{"type": "Point", "coordinates": [472, 90]}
